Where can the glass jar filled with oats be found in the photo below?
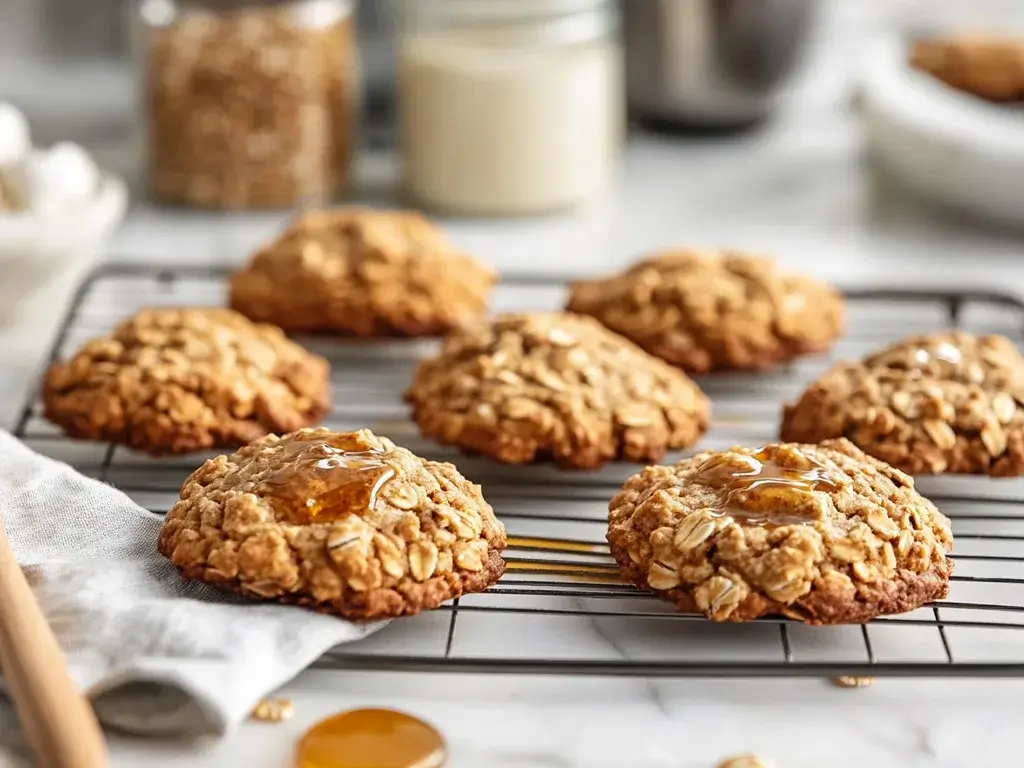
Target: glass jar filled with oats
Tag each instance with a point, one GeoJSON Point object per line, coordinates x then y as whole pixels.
{"type": "Point", "coordinates": [246, 104]}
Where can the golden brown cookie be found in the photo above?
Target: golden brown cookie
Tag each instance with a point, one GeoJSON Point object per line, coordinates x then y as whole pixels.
{"type": "Point", "coordinates": [359, 272]}
{"type": "Point", "coordinates": [988, 66]}
{"type": "Point", "coordinates": [345, 523]}
{"type": "Point", "coordinates": [180, 380]}
{"type": "Point", "coordinates": [823, 534]}
{"type": "Point", "coordinates": [554, 386]}
{"type": "Point", "coordinates": [948, 402]}
{"type": "Point", "coordinates": [705, 311]}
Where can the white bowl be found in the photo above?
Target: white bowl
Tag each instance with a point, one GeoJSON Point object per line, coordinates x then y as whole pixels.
{"type": "Point", "coordinates": [949, 147]}
{"type": "Point", "coordinates": [41, 248]}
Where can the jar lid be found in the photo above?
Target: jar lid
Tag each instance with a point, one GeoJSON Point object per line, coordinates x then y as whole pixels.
{"type": "Point", "coordinates": [234, 5]}
{"type": "Point", "coordinates": [160, 13]}
{"type": "Point", "coordinates": [563, 21]}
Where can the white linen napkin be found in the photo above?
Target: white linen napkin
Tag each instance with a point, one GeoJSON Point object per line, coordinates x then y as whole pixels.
{"type": "Point", "coordinates": [154, 653]}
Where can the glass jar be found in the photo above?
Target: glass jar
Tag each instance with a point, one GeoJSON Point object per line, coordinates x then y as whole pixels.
{"type": "Point", "coordinates": [246, 104]}
{"type": "Point", "coordinates": [509, 107]}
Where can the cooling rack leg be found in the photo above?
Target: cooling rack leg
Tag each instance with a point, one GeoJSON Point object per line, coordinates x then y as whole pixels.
{"type": "Point", "coordinates": [451, 628]}
{"type": "Point", "coordinates": [787, 650]}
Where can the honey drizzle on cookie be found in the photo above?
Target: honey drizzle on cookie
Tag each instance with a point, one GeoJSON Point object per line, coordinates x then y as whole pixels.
{"type": "Point", "coordinates": [757, 490]}
{"type": "Point", "coordinates": [324, 478]}
{"type": "Point", "coordinates": [378, 737]}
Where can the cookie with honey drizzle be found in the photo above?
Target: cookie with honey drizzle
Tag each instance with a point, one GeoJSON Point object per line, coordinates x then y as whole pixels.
{"type": "Point", "coordinates": [341, 522]}
{"type": "Point", "coordinates": [820, 533]}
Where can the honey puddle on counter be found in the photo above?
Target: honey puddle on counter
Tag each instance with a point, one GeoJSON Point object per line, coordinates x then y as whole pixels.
{"type": "Point", "coordinates": [371, 738]}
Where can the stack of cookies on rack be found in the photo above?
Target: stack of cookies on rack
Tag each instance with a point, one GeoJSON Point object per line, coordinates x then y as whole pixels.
{"type": "Point", "coordinates": [825, 526]}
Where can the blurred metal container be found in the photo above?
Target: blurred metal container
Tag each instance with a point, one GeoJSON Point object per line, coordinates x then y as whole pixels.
{"type": "Point", "coordinates": [376, 29]}
{"type": "Point", "coordinates": [710, 63]}
{"type": "Point", "coordinates": [82, 31]}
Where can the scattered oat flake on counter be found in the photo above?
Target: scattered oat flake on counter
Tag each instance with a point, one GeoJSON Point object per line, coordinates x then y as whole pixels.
{"type": "Point", "coordinates": [273, 710]}
{"type": "Point", "coordinates": [743, 761]}
{"type": "Point", "coordinates": [851, 681]}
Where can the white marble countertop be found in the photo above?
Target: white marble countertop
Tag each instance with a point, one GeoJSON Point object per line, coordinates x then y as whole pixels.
{"type": "Point", "coordinates": [503, 722]}
{"type": "Point", "coordinates": [802, 190]}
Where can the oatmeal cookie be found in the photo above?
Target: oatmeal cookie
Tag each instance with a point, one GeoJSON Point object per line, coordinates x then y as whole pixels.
{"type": "Point", "coordinates": [359, 272]}
{"type": "Point", "coordinates": [179, 380]}
{"type": "Point", "coordinates": [946, 402]}
{"type": "Point", "coordinates": [707, 311]}
{"type": "Point", "coordinates": [823, 534]}
{"type": "Point", "coordinates": [345, 523]}
{"type": "Point", "coordinates": [990, 67]}
{"type": "Point", "coordinates": [557, 386]}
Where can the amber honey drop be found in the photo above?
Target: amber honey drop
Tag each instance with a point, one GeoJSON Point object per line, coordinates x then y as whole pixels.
{"type": "Point", "coordinates": [371, 738]}
{"type": "Point", "coordinates": [756, 489]}
{"type": "Point", "coordinates": [325, 478]}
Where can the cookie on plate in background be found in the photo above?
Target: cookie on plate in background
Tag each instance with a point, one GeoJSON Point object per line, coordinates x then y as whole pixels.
{"type": "Point", "coordinates": [361, 272]}
{"type": "Point", "coordinates": [823, 534]}
{"type": "Point", "coordinates": [554, 386]}
{"type": "Point", "coordinates": [945, 402]}
{"type": "Point", "coordinates": [708, 310]}
{"type": "Point", "coordinates": [989, 66]}
{"type": "Point", "coordinates": [177, 380]}
{"type": "Point", "coordinates": [345, 523]}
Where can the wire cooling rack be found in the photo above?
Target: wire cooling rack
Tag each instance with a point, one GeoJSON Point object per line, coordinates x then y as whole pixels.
{"type": "Point", "coordinates": [559, 608]}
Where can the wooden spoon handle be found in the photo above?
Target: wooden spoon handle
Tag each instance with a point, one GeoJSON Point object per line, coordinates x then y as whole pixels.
{"type": "Point", "coordinates": [58, 721]}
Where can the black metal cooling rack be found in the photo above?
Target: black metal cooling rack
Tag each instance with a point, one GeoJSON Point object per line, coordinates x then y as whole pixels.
{"type": "Point", "coordinates": [559, 608]}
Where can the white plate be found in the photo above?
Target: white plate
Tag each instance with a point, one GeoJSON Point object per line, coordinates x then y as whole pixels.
{"type": "Point", "coordinates": [949, 147]}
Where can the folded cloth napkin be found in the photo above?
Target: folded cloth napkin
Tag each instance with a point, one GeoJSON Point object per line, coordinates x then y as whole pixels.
{"type": "Point", "coordinates": [154, 653]}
